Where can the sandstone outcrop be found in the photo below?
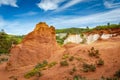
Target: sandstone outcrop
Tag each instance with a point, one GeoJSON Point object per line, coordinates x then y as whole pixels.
{"type": "Point", "coordinates": [37, 46]}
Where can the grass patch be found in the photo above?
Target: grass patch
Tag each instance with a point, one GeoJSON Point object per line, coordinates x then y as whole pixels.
{"type": "Point", "coordinates": [93, 52]}
{"type": "Point", "coordinates": [65, 56]}
{"type": "Point", "coordinates": [52, 64]}
{"type": "Point", "coordinates": [88, 67]}
{"type": "Point", "coordinates": [64, 63]}
{"type": "Point", "coordinates": [100, 62]}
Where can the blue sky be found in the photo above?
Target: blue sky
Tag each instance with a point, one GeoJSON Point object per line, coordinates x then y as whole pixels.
{"type": "Point", "coordinates": [20, 16]}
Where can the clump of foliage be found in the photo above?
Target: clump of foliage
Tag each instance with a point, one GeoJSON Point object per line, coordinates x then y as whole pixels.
{"type": "Point", "coordinates": [73, 70]}
{"type": "Point", "coordinates": [109, 78]}
{"type": "Point", "coordinates": [88, 67]}
{"type": "Point", "coordinates": [100, 62]}
{"type": "Point", "coordinates": [7, 40]}
{"type": "Point", "coordinates": [65, 56]}
{"type": "Point", "coordinates": [36, 69]}
{"type": "Point", "coordinates": [3, 60]}
{"type": "Point", "coordinates": [78, 77]}
{"type": "Point", "coordinates": [93, 53]}
{"type": "Point", "coordinates": [117, 74]}
{"type": "Point", "coordinates": [78, 58]}
{"type": "Point", "coordinates": [52, 64]}
{"type": "Point", "coordinates": [108, 26]}
{"type": "Point", "coordinates": [71, 58]}
{"type": "Point", "coordinates": [42, 65]}
{"type": "Point", "coordinates": [32, 73]}
{"type": "Point", "coordinates": [59, 40]}
{"type": "Point", "coordinates": [64, 63]}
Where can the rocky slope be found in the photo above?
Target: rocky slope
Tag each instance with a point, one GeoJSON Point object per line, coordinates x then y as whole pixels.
{"type": "Point", "coordinates": [39, 57]}
{"type": "Point", "coordinates": [37, 46]}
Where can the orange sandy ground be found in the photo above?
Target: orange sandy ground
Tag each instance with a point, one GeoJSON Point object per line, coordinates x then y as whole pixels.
{"type": "Point", "coordinates": [109, 51]}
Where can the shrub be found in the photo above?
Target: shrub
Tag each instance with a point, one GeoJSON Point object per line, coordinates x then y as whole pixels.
{"type": "Point", "coordinates": [71, 58]}
{"type": "Point", "coordinates": [36, 69]}
{"type": "Point", "coordinates": [88, 67]}
{"type": "Point", "coordinates": [42, 65]}
{"type": "Point", "coordinates": [93, 53]}
{"type": "Point", "coordinates": [65, 56]}
{"type": "Point", "coordinates": [117, 73]}
{"type": "Point", "coordinates": [73, 70]}
{"type": "Point", "coordinates": [108, 78]}
{"type": "Point", "coordinates": [52, 64]}
{"type": "Point", "coordinates": [78, 58]}
{"type": "Point", "coordinates": [32, 73]}
{"type": "Point", "coordinates": [64, 63]}
{"type": "Point", "coordinates": [100, 62]}
{"type": "Point", "coordinates": [78, 77]}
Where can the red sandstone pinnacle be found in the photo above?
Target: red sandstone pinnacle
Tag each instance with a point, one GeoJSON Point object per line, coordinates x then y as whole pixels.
{"type": "Point", "coordinates": [37, 46]}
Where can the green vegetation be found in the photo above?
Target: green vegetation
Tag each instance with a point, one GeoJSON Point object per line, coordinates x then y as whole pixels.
{"type": "Point", "coordinates": [109, 78]}
{"type": "Point", "coordinates": [73, 70]}
{"type": "Point", "coordinates": [108, 26]}
{"type": "Point", "coordinates": [71, 58]}
{"type": "Point", "coordinates": [65, 56]}
{"type": "Point", "coordinates": [6, 41]}
{"type": "Point", "coordinates": [64, 63]}
{"type": "Point", "coordinates": [88, 67]}
{"type": "Point", "coordinates": [70, 30]}
{"type": "Point", "coordinates": [37, 70]}
{"type": "Point", "coordinates": [100, 62]}
{"type": "Point", "coordinates": [93, 53]}
{"type": "Point", "coordinates": [52, 64]}
{"type": "Point", "coordinates": [117, 74]}
{"type": "Point", "coordinates": [3, 60]}
{"type": "Point", "coordinates": [78, 77]}
{"type": "Point", "coordinates": [59, 40]}
{"type": "Point", "coordinates": [74, 30]}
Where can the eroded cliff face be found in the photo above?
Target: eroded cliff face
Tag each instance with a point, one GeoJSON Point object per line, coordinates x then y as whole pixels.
{"type": "Point", "coordinates": [37, 46]}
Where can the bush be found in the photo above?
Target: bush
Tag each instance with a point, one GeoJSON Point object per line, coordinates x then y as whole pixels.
{"type": "Point", "coordinates": [73, 70]}
{"type": "Point", "coordinates": [93, 53]}
{"type": "Point", "coordinates": [36, 69]}
{"type": "Point", "coordinates": [71, 58]}
{"type": "Point", "coordinates": [42, 65]}
{"type": "Point", "coordinates": [88, 67]}
{"type": "Point", "coordinates": [65, 56]}
{"type": "Point", "coordinates": [52, 64]}
{"type": "Point", "coordinates": [78, 77]}
{"type": "Point", "coordinates": [117, 74]}
{"type": "Point", "coordinates": [64, 63]}
{"type": "Point", "coordinates": [109, 78]}
{"type": "Point", "coordinates": [32, 73]}
{"type": "Point", "coordinates": [100, 62]}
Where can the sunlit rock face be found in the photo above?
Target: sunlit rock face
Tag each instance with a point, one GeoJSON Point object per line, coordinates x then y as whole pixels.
{"type": "Point", "coordinates": [106, 36]}
{"type": "Point", "coordinates": [92, 38]}
{"type": "Point", "coordinates": [73, 38]}
{"type": "Point", "coordinates": [37, 46]}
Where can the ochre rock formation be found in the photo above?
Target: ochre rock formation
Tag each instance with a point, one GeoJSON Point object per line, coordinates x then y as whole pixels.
{"type": "Point", "coordinates": [37, 46]}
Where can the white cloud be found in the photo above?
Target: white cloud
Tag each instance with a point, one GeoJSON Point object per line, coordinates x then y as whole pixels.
{"type": "Point", "coordinates": [9, 2]}
{"type": "Point", "coordinates": [111, 4]}
{"type": "Point", "coordinates": [49, 4]}
{"type": "Point", "coordinates": [69, 4]}
{"type": "Point", "coordinates": [112, 16]}
{"type": "Point", "coordinates": [31, 13]}
{"type": "Point", "coordinates": [55, 4]}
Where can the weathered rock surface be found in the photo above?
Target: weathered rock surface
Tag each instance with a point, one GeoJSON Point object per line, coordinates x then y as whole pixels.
{"type": "Point", "coordinates": [37, 46]}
